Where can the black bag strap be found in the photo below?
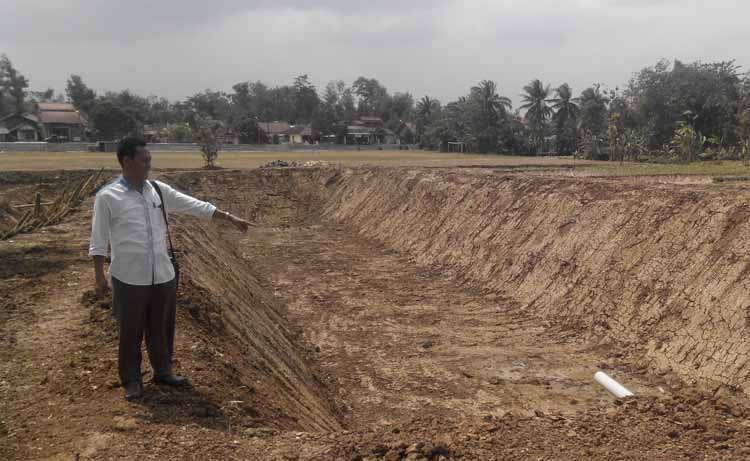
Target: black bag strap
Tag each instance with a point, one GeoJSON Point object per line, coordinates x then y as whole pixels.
{"type": "Point", "coordinates": [164, 212]}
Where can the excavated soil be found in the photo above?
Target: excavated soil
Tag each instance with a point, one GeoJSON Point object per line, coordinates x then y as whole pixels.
{"type": "Point", "coordinates": [384, 313]}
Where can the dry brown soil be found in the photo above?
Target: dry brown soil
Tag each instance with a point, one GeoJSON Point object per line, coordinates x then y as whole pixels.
{"type": "Point", "coordinates": [355, 322]}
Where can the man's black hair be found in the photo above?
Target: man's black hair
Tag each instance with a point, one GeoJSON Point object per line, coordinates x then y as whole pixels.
{"type": "Point", "coordinates": [128, 147]}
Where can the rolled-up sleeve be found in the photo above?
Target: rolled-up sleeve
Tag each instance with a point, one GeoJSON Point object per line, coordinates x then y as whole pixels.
{"type": "Point", "coordinates": [100, 228]}
{"type": "Point", "coordinates": [178, 202]}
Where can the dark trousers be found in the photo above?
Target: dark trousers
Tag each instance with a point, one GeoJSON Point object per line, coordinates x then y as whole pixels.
{"type": "Point", "coordinates": [144, 310]}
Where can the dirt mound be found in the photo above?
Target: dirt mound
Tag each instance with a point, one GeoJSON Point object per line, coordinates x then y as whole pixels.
{"type": "Point", "coordinates": [659, 269]}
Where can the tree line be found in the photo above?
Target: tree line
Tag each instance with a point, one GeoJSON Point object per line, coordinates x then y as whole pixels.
{"type": "Point", "coordinates": [672, 110]}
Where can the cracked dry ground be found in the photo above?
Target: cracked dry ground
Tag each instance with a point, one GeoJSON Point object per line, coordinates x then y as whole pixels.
{"type": "Point", "coordinates": [417, 363]}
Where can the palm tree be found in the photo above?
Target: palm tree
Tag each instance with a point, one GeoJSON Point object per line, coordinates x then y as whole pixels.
{"type": "Point", "coordinates": [493, 105]}
{"type": "Point", "coordinates": [426, 106]}
{"type": "Point", "coordinates": [426, 109]}
{"type": "Point", "coordinates": [566, 111]}
{"type": "Point", "coordinates": [490, 109]}
{"type": "Point", "coordinates": [537, 111]}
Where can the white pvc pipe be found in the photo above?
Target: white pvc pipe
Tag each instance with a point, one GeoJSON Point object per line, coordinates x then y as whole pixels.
{"type": "Point", "coordinates": [615, 388]}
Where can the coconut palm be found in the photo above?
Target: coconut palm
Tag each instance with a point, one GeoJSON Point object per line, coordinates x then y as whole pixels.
{"type": "Point", "coordinates": [493, 106]}
{"type": "Point", "coordinates": [565, 117]}
{"type": "Point", "coordinates": [488, 109]}
{"type": "Point", "coordinates": [426, 109]}
{"type": "Point", "coordinates": [537, 110]}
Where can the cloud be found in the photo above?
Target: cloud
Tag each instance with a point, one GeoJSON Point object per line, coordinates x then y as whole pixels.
{"type": "Point", "coordinates": [441, 48]}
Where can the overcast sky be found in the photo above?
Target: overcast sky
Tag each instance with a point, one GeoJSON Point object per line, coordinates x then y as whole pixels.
{"type": "Point", "coordinates": [175, 48]}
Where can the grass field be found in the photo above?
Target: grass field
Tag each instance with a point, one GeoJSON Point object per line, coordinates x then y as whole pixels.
{"type": "Point", "coordinates": [30, 161]}
{"type": "Point", "coordinates": [36, 161]}
{"type": "Point", "coordinates": [718, 168]}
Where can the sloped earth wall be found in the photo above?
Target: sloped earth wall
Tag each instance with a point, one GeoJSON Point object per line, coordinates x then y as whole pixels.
{"type": "Point", "coordinates": [659, 269]}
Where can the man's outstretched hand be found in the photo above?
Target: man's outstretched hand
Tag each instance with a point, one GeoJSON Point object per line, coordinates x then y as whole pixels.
{"type": "Point", "coordinates": [240, 223]}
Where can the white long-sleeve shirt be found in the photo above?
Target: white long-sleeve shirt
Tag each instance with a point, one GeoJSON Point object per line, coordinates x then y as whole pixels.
{"type": "Point", "coordinates": [131, 222]}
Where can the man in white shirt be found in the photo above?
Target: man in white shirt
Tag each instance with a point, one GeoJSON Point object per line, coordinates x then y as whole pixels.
{"type": "Point", "coordinates": [128, 217]}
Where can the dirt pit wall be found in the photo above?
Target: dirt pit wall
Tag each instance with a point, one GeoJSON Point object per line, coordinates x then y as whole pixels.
{"type": "Point", "coordinates": [238, 313]}
{"type": "Point", "coordinates": [658, 269]}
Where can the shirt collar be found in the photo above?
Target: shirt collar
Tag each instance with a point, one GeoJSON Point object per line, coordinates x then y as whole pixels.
{"type": "Point", "coordinates": [127, 185]}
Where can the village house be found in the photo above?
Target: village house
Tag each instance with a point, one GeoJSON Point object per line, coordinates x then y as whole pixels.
{"type": "Point", "coordinates": [299, 134]}
{"type": "Point", "coordinates": [275, 132]}
{"type": "Point", "coordinates": [369, 130]}
{"type": "Point", "coordinates": [19, 127]}
{"type": "Point", "coordinates": [61, 122]}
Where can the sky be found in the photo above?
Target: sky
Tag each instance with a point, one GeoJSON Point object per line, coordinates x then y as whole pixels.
{"type": "Point", "coordinates": [175, 48]}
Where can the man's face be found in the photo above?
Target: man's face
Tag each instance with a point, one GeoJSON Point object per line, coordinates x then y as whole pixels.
{"type": "Point", "coordinates": [140, 165]}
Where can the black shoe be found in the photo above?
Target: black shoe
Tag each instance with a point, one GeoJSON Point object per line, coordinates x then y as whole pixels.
{"type": "Point", "coordinates": [170, 380]}
{"type": "Point", "coordinates": [133, 390]}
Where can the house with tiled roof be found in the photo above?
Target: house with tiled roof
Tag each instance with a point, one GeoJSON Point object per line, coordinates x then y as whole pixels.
{"type": "Point", "coordinates": [62, 121]}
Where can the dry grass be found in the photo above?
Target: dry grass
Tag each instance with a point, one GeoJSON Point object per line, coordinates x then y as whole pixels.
{"type": "Point", "coordinates": [36, 161]}
{"type": "Point", "coordinates": [244, 160]}
{"type": "Point", "coordinates": [713, 168]}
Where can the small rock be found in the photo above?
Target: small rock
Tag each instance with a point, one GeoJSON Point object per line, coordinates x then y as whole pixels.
{"type": "Point", "coordinates": [392, 455]}
{"type": "Point", "coordinates": [259, 431]}
{"type": "Point", "coordinates": [122, 424]}
{"type": "Point", "coordinates": [379, 450]}
{"type": "Point", "coordinates": [415, 447]}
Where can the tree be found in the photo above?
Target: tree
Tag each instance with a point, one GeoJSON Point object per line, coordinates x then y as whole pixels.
{"type": "Point", "coordinates": [249, 131]}
{"type": "Point", "coordinates": [208, 134]}
{"type": "Point", "coordinates": [687, 142]}
{"type": "Point", "coordinates": [488, 109]}
{"type": "Point", "coordinates": [616, 137]}
{"type": "Point", "coordinates": [40, 96]}
{"type": "Point", "coordinates": [111, 122]}
{"type": "Point", "coordinates": [371, 94]}
{"type": "Point", "coordinates": [659, 95]}
{"type": "Point", "coordinates": [537, 111]}
{"type": "Point", "coordinates": [565, 118]}
{"type": "Point", "coordinates": [13, 84]}
{"type": "Point", "coordinates": [401, 105]}
{"type": "Point", "coordinates": [306, 100]}
{"type": "Point", "coordinates": [743, 121]}
{"type": "Point", "coordinates": [592, 120]}
{"type": "Point", "coordinates": [215, 105]}
{"type": "Point", "coordinates": [81, 96]}
{"type": "Point", "coordinates": [427, 111]}
{"type": "Point", "coordinates": [176, 132]}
